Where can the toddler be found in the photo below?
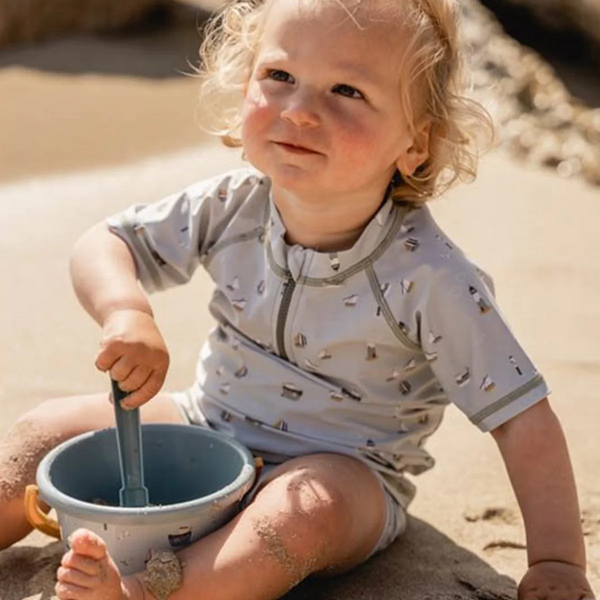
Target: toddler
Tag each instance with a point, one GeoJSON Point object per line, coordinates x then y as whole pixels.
{"type": "Point", "coordinates": [346, 320]}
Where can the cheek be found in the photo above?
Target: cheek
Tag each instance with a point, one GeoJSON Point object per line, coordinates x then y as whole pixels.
{"type": "Point", "coordinates": [257, 115]}
{"type": "Point", "coordinates": [357, 139]}
{"type": "Point", "coordinates": [365, 140]}
{"type": "Point", "coordinates": [257, 124]}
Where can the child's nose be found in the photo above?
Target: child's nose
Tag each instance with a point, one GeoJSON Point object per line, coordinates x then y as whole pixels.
{"type": "Point", "coordinates": [301, 110]}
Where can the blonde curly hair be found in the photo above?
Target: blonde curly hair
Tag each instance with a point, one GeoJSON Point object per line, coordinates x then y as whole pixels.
{"type": "Point", "coordinates": [460, 128]}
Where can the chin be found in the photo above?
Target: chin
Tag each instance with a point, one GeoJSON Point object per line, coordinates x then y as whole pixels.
{"type": "Point", "coordinates": [295, 181]}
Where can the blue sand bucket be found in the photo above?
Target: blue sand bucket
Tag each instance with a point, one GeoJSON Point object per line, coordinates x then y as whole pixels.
{"type": "Point", "coordinates": [195, 477]}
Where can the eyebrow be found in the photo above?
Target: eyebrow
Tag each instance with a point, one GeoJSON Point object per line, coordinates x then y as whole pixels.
{"type": "Point", "coordinates": [273, 56]}
{"type": "Point", "coordinates": [356, 73]}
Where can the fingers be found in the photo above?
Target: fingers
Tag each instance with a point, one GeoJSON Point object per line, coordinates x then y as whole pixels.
{"type": "Point", "coordinates": [124, 370]}
{"type": "Point", "coordinates": [130, 379]}
{"type": "Point", "coordinates": [134, 353]}
{"type": "Point", "coordinates": [120, 370]}
{"type": "Point", "coordinates": [142, 381]}
{"type": "Point", "coordinates": [147, 391]}
{"type": "Point", "coordinates": [108, 355]}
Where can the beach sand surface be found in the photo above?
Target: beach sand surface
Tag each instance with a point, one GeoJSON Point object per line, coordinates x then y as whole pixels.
{"type": "Point", "coordinates": [533, 231]}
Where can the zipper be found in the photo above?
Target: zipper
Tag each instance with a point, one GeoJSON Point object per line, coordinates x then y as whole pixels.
{"type": "Point", "coordinates": [289, 285]}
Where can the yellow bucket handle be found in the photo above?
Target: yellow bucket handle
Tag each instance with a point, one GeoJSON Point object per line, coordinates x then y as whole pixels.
{"type": "Point", "coordinates": [259, 463]}
{"type": "Point", "coordinates": [36, 516]}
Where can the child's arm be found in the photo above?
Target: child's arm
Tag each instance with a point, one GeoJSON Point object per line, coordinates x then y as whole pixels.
{"type": "Point", "coordinates": [535, 453]}
{"type": "Point", "coordinates": [132, 349]}
{"type": "Point", "coordinates": [104, 275]}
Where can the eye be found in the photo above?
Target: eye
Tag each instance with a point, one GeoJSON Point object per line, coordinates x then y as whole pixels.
{"type": "Point", "coordinates": [348, 91]}
{"type": "Point", "coordinates": [279, 75]}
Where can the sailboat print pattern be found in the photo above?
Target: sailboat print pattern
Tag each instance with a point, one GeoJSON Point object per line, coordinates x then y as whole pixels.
{"type": "Point", "coordinates": [290, 391]}
{"type": "Point", "coordinates": [374, 341]}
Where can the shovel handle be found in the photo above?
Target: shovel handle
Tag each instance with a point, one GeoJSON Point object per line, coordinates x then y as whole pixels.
{"type": "Point", "coordinates": [36, 517]}
{"type": "Point", "coordinates": [129, 441]}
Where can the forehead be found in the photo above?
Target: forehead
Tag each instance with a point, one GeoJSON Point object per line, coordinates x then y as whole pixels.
{"type": "Point", "coordinates": [364, 31]}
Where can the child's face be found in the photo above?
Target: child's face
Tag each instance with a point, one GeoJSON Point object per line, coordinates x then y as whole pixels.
{"type": "Point", "coordinates": [323, 111]}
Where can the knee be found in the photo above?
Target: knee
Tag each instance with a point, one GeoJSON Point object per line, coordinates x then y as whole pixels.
{"type": "Point", "coordinates": [26, 442]}
{"type": "Point", "coordinates": [59, 418]}
{"type": "Point", "coordinates": [41, 428]}
{"type": "Point", "coordinates": [309, 513]}
{"type": "Point", "coordinates": [45, 417]}
{"type": "Point", "coordinates": [317, 500]}
{"type": "Point", "coordinates": [300, 531]}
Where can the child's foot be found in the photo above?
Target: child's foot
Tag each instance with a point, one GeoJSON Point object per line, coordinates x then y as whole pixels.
{"type": "Point", "coordinates": [87, 571]}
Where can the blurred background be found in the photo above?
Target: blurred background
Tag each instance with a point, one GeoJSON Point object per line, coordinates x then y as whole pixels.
{"type": "Point", "coordinates": [102, 82]}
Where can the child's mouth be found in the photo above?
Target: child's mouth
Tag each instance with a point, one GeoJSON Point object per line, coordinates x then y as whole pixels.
{"type": "Point", "coordinates": [294, 149]}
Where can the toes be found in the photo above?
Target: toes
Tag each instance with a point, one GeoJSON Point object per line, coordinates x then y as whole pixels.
{"type": "Point", "coordinates": [87, 543]}
{"type": "Point", "coordinates": [80, 562]}
{"type": "Point", "coordinates": [87, 571]}
{"type": "Point", "coordinates": [69, 591]}
{"type": "Point", "coordinates": [75, 577]}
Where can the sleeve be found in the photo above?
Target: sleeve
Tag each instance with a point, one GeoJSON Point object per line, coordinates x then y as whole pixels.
{"type": "Point", "coordinates": [471, 349]}
{"type": "Point", "coordinates": [169, 238]}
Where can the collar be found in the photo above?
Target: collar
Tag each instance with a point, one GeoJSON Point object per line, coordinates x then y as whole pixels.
{"type": "Point", "coordinates": [311, 267]}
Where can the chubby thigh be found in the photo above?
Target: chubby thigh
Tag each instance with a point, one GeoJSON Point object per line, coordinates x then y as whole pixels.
{"type": "Point", "coordinates": [356, 516]}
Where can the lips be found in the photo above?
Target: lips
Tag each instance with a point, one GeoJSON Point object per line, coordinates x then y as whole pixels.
{"type": "Point", "coordinates": [295, 148]}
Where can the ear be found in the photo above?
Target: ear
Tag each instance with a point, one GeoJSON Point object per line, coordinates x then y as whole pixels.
{"type": "Point", "coordinates": [418, 152]}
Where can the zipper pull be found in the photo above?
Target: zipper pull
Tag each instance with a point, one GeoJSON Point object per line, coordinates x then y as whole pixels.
{"type": "Point", "coordinates": [287, 280]}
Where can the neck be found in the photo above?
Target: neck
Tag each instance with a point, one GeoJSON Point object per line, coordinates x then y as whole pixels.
{"type": "Point", "coordinates": [326, 224]}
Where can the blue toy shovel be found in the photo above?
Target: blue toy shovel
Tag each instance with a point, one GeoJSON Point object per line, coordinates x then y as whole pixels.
{"type": "Point", "coordinates": [129, 441]}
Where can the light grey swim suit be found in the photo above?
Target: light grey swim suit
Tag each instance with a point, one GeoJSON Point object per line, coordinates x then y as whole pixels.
{"type": "Point", "coordinates": [395, 515]}
{"type": "Point", "coordinates": [356, 352]}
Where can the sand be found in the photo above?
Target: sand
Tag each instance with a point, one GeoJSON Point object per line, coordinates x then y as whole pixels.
{"type": "Point", "coordinates": [163, 574]}
{"type": "Point", "coordinates": [535, 232]}
{"type": "Point", "coordinates": [279, 553]}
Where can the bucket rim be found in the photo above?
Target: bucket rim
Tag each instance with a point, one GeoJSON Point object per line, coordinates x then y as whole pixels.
{"type": "Point", "coordinates": [75, 507]}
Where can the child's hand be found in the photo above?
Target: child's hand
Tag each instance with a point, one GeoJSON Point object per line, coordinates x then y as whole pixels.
{"type": "Point", "coordinates": [551, 580]}
{"type": "Point", "coordinates": [134, 352]}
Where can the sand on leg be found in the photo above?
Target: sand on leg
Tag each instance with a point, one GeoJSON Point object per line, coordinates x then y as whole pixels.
{"type": "Point", "coordinates": [43, 428]}
{"type": "Point", "coordinates": [320, 513]}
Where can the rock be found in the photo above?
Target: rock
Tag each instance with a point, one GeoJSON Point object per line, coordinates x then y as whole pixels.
{"type": "Point", "coordinates": [537, 119]}
{"type": "Point", "coordinates": [35, 20]}
{"type": "Point", "coordinates": [582, 16]}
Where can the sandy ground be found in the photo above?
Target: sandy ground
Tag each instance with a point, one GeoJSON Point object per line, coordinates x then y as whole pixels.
{"type": "Point", "coordinates": [80, 144]}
